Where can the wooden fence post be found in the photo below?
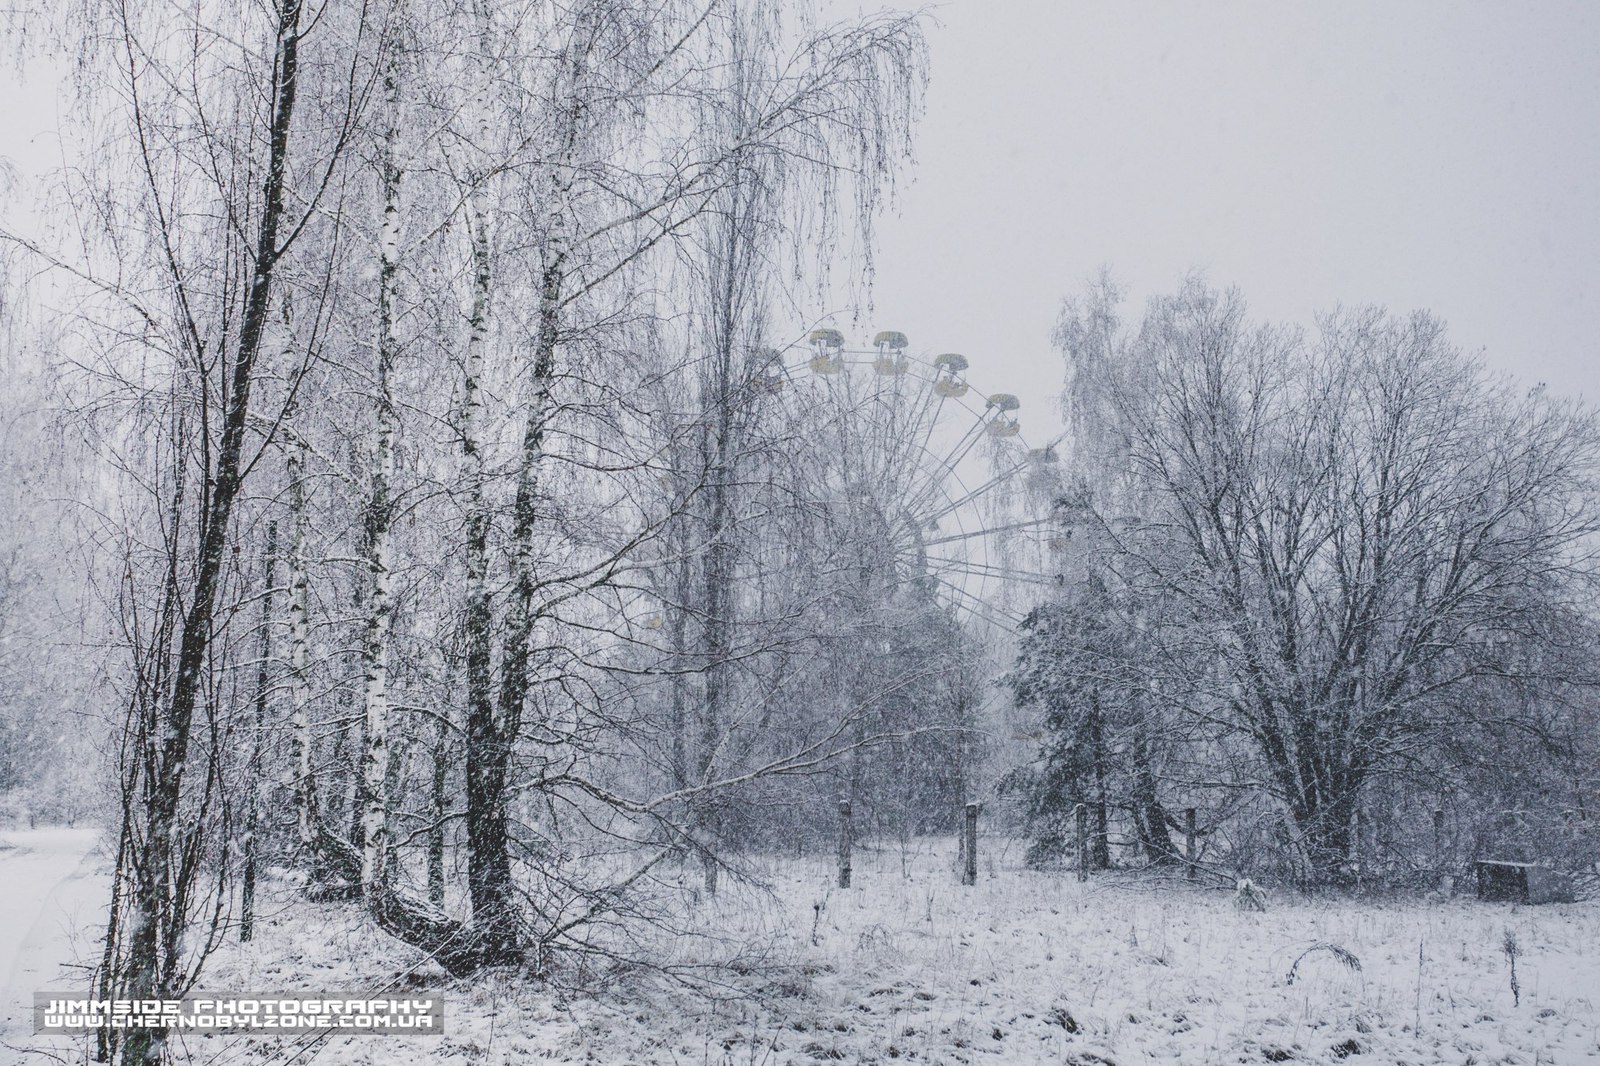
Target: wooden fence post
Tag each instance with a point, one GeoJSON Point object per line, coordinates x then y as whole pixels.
{"type": "Point", "coordinates": [969, 870]}
{"type": "Point", "coordinates": [844, 843]}
{"type": "Point", "coordinates": [1082, 817]}
{"type": "Point", "coordinates": [1189, 843]}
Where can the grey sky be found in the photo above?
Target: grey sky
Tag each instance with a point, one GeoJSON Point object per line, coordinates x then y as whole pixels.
{"type": "Point", "coordinates": [1439, 155]}
{"type": "Point", "coordinates": [1414, 154]}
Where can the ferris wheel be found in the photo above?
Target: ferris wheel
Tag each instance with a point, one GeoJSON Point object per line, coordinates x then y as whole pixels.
{"type": "Point", "coordinates": [938, 473]}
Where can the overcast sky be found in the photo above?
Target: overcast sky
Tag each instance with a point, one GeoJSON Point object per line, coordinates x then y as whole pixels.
{"type": "Point", "coordinates": [1410, 154]}
{"type": "Point", "coordinates": [1417, 154]}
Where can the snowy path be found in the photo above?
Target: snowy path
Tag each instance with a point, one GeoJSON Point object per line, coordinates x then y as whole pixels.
{"type": "Point", "coordinates": [52, 892]}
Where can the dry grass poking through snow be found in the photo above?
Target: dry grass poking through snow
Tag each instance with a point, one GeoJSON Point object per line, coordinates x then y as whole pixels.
{"type": "Point", "coordinates": [1026, 967]}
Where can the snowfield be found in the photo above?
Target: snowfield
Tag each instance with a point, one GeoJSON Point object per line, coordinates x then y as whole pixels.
{"type": "Point", "coordinates": [52, 893]}
{"type": "Point", "coordinates": [908, 966]}
{"type": "Point", "coordinates": [1027, 967]}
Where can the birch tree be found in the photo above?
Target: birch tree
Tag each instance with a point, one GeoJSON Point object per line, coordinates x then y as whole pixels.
{"type": "Point", "coordinates": [380, 503]}
{"type": "Point", "coordinates": [177, 281]}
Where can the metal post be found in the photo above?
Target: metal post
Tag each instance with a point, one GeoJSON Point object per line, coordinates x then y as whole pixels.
{"type": "Point", "coordinates": [844, 843]}
{"type": "Point", "coordinates": [1189, 843]}
{"type": "Point", "coordinates": [969, 872]}
{"type": "Point", "coordinates": [1082, 818]}
{"type": "Point", "coordinates": [1355, 848]}
{"type": "Point", "coordinates": [1446, 882]}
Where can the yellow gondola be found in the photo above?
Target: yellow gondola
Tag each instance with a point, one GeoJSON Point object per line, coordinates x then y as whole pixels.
{"type": "Point", "coordinates": [827, 339]}
{"type": "Point", "coordinates": [1004, 427]}
{"type": "Point", "coordinates": [891, 340]}
{"type": "Point", "coordinates": [948, 384]}
{"type": "Point", "coordinates": [770, 378]}
{"type": "Point", "coordinates": [823, 363]}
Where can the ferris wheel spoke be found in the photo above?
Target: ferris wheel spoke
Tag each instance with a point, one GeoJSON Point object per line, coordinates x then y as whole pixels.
{"type": "Point", "coordinates": [968, 441]}
{"type": "Point", "coordinates": [972, 495]}
{"type": "Point", "coordinates": [981, 607]}
{"type": "Point", "coordinates": [920, 439]}
{"type": "Point", "coordinates": [926, 491]}
{"type": "Point", "coordinates": [1006, 573]}
{"type": "Point", "coordinates": [1032, 523]}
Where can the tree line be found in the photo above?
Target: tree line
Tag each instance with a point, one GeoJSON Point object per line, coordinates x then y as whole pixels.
{"type": "Point", "coordinates": [1331, 587]}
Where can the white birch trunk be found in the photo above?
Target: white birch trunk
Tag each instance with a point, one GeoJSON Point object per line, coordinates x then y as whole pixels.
{"type": "Point", "coordinates": [472, 431]}
{"type": "Point", "coordinates": [375, 763]}
{"type": "Point", "coordinates": [299, 650]}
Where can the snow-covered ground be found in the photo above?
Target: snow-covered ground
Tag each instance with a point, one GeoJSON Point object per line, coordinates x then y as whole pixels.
{"type": "Point", "coordinates": [1027, 967]}
{"type": "Point", "coordinates": [53, 891]}
{"type": "Point", "coordinates": [909, 966]}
